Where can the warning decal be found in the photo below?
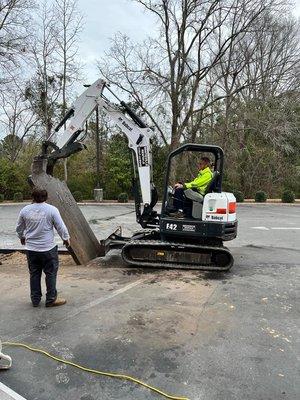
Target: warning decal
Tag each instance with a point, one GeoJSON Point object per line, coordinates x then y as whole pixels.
{"type": "Point", "coordinates": [142, 156]}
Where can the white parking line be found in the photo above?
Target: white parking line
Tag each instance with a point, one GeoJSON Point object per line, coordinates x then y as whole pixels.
{"type": "Point", "coordinates": [286, 228]}
{"type": "Point", "coordinates": [8, 394]}
{"type": "Point", "coordinates": [264, 228]}
{"type": "Point", "coordinates": [105, 298]}
{"type": "Point", "coordinates": [85, 307]}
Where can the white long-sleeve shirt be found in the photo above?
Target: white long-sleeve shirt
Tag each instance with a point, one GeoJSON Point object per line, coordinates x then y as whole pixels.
{"type": "Point", "coordinates": [36, 222]}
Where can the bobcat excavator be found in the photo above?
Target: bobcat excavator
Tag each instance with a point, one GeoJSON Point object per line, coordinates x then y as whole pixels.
{"type": "Point", "coordinates": [164, 242]}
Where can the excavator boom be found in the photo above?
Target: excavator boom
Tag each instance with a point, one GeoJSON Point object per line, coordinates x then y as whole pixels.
{"type": "Point", "coordinates": [66, 140]}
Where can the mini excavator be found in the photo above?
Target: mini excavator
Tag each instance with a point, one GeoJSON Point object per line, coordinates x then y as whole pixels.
{"type": "Point", "coordinates": [164, 242]}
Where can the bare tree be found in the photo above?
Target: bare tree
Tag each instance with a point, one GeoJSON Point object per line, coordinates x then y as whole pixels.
{"type": "Point", "coordinates": [168, 76]}
{"type": "Point", "coordinates": [44, 88]}
{"type": "Point", "coordinates": [68, 27]}
{"type": "Point", "coordinates": [17, 118]}
{"type": "Point", "coordinates": [14, 34]}
{"type": "Point", "coordinates": [69, 23]}
{"type": "Point", "coordinates": [266, 64]}
{"type": "Point", "coordinates": [258, 126]}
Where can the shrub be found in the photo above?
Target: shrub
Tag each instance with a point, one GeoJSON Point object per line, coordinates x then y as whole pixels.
{"type": "Point", "coordinates": [82, 182]}
{"type": "Point", "coordinates": [288, 196]}
{"type": "Point", "coordinates": [1, 198]}
{"type": "Point", "coordinates": [239, 196]}
{"type": "Point", "coordinates": [261, 196]}
{"type": "Point", "coordinates": [118, 172]}
{"type": "Point", "coordinates": [12, 179]}
{"type": "Point", "coordinates": [78, 196]}
{"type": "Point", "coordinates": [18, 196]}
{"type": "Point", "coordinates": [123, 198]}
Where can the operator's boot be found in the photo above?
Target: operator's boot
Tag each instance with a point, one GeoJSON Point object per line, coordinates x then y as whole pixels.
{"type": "Point", "coordinates": [178, 214]}
{"type": "Point", "coordinates": [56, 303]}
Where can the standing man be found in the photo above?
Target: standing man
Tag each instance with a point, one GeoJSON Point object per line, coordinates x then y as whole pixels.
{"type": "Point", "coordinates": [35, 230]}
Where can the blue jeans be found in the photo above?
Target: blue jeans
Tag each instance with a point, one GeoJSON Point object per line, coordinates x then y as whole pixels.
{"type": "Point", "coordinates": [39, 261]}
{"type": "Point", "coordinates": [180, 202]}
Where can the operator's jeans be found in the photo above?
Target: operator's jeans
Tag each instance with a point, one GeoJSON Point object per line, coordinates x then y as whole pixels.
{"type": "Point", "coordinates": [180, 202]}
{"type": "Point", "coordinates": [39, 261]}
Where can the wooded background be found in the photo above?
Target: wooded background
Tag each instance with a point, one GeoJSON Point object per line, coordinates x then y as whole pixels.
{"type": "Point", "coordinates": [223, 72]}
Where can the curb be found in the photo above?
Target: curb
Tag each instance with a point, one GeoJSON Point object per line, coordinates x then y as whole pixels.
{"type": "Point", "coordinates": [245, 202]}
{"type": "Point", "coordinates": [269, 203]}
{"type": "Point", "coordinates": [25, 203]}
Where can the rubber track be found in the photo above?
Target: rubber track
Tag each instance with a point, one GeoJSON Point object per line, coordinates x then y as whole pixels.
{"type": "Point", "coordinates": [163, 245]}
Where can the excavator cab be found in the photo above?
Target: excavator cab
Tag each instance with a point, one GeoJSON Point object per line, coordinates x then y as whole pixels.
{"type": "Point", "coordinates": [213, 214]}
{"type": "Point", "coordinates": [182, 163]}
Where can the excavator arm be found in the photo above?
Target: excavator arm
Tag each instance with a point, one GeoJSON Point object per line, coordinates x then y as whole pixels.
{"type": "Point", "coordinates": [63, 144]}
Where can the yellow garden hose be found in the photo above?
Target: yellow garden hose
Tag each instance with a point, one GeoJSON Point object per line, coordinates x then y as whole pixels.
{"type": "Point", "coordinates": [94, 371]}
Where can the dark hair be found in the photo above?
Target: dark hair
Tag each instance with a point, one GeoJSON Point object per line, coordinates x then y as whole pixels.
{"type": "Point", "coordinates": [206, 159]}
{"type": "Point", "coordinates": [39, 195]}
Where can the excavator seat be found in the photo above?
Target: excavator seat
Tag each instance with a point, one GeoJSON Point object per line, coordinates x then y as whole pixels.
{"type": "Point", "coordinates": [197, 198]}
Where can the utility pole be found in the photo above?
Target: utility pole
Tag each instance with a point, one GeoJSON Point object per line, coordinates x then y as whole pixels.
{"type": "Point", "coordinates": [97, 149]}
{"type": "Point", "coordinates": [98, 193]}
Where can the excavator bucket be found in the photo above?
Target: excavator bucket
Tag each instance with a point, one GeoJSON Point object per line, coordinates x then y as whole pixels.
{"type": "Point", "coordinates": [84, 244]}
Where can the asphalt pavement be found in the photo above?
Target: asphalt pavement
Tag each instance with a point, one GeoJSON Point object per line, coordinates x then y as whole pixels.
{"type": "Point", "coordinates": [201, 335]}
{"type": "Point", "coordinates": [271, 225]}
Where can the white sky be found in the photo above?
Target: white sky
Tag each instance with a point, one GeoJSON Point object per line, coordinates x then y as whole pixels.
{"type": "Point", "coordinates": [102, 20]}
{"type": "Point", "coordinates": [297, 8]}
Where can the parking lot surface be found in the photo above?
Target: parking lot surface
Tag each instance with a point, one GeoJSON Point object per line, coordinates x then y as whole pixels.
{"type": "Point", "coordinates": [200, 335]}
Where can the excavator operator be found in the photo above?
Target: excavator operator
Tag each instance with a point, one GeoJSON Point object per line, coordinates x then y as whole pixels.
{"type": "Point", "coordinates": [182, 206]}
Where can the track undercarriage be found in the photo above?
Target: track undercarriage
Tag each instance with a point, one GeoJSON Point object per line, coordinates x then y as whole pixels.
{"type": "Point", "coordinates": [146, 249]}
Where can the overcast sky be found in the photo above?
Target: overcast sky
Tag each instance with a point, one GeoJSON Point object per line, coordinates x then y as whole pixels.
{"type": "Point", "coordinates": [297, 8]}
{"type": "Point", "coordinates": [102, 20]}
